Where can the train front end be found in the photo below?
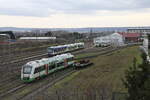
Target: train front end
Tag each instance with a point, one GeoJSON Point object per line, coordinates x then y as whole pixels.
{"type": "Point", "coordinates": [50, 51]}
{"type": "Point", "coordinates": [26, 73]}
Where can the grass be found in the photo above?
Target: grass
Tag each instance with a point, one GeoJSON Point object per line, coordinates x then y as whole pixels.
{"type": "Point", "coordinates": [85, 55]}
{"type": "Point", "coordinates": [105, 75]}
{"type": "Point", "coordinates": [23, 49]}
{"type": "Point", "coordinates": [31, 48]}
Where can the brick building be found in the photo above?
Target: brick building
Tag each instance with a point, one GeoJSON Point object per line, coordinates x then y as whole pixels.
{"type": "Point", "coordinates": [131, 37]}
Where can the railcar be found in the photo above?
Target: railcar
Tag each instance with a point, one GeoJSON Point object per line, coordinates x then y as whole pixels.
{"type": "Point", "coordinates": [36, 69]}
{"type": "Point", "coordinates": [54, 50]}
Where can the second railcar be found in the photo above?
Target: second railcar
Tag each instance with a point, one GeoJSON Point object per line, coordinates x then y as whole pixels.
{"type": "Point", "coordinates": [64, 48]}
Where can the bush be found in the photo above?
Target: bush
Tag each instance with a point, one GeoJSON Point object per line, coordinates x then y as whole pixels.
{"type": "Point", "coordinates": [137, 80]}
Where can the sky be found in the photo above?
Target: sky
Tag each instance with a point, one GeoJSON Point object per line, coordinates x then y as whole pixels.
{"type": "Point", "coordinates": [74, 13]}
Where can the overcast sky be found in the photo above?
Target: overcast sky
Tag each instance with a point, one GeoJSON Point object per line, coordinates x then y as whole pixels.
{"type": "Point", "coordinates": [74, 13]}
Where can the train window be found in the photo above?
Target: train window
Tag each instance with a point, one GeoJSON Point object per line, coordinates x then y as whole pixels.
{"type": "Point", "coordinates": [70, 59]}
{"type": "Point", "coordinates": [39, 69]}
{"type": "Point", "coordinates": [36, 70]}
{"type": "Point", "coordinates": [27, 69]}
{"type": "Point", "coordinates": [60, 64]}
{"type": "Point", "coordinates": [42, 68]}
{"type": "Point", "coordinates": [55, 50]}
{"type": "Point", "coordinates": [51, 66]}
{"type": "Point", "coordinates": [50, 50]}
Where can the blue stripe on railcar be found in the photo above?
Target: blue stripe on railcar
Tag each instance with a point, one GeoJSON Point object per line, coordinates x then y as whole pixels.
{"type": "Point", "coordinates": [56, 49]}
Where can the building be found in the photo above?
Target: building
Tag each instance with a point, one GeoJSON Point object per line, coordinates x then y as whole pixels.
{"type": "Point", "coordinates": [37, 38]}
{"type": "Point", "coordinates": [130, 37]}
{"type": "Point", "coordinates": [102, 41]}
{"type": "Point", "coordinates": [9, 33]}
{"type": "Point", "coordinates": [141, 30]}
{"type": "Point", "coordinates": [114, 39]}
{"type": "Point", "coordinates": [117, 39]}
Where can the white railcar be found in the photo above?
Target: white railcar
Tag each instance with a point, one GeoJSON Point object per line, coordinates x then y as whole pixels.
{"type": "Point", "coordinates": [39, 68]}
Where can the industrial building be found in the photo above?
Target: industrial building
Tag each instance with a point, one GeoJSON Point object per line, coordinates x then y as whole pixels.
{"type": "Point", "coordinates": [102, 41]}
{"type": "Point", "coordinates": [130, 37]}
{"type": "Point", "coordinates": [142, 30]}
{"type": "Point", "coordinates": [114, 39]}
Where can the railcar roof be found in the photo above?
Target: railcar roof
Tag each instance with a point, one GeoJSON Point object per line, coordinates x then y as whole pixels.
{"type": "Point", "coordinates": [54, 47]}
{"type": "Point", "coordinates": [44, 61]}
{"type": "Point", "coordinates": [67, 45]}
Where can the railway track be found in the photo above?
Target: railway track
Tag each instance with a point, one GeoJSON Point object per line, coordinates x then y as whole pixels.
{"type": "Point", "coordinates": [14, 58]}
{"type": "Point", "coordinates": [31, 93]}
{"type": "Point", "coordinates": [12, 90]}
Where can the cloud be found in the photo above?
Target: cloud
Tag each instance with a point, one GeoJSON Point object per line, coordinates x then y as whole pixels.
{"type": "Point", "coordinates": [43, 8]}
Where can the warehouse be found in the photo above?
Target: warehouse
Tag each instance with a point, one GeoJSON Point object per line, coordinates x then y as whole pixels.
{"type": "Point", "coordinates": [117, 39]}
{"type": "Point", "coordinates": [114, 39]}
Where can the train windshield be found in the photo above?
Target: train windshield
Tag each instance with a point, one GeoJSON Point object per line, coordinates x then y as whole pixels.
{"type": "Point", "coordinates": [50, 50]}
{"type": "Point", "coordinates": [27, 69]}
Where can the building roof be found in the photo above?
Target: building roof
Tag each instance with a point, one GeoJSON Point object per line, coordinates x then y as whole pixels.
{"type": "Point", "coordinates": [37, 38]}
{"type": "Point", "coordinates": [129, 34]}
{"type": "Point", "coordinates": [43, 61]}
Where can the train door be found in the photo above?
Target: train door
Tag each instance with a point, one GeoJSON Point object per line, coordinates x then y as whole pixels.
{"type": "Point", "coordinates": [46, 69]}
{"type": "Point", "coordinates": [37, 73]}
{"type": "Point", "coordinates": [65, 63]}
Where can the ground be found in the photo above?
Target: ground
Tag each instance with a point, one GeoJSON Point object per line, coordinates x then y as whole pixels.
{"type": "Point", "coordinates": [97, 82]}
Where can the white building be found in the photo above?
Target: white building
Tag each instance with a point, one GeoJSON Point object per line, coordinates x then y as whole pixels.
{"type": "Point", "coordinates": [114, 39]}
{"type": "Point", "coordinates": [117, 39]}
{"type": "Point", "coordinates": [37, 38]}
{"type": "Point", "coordinates": [102, 41]}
